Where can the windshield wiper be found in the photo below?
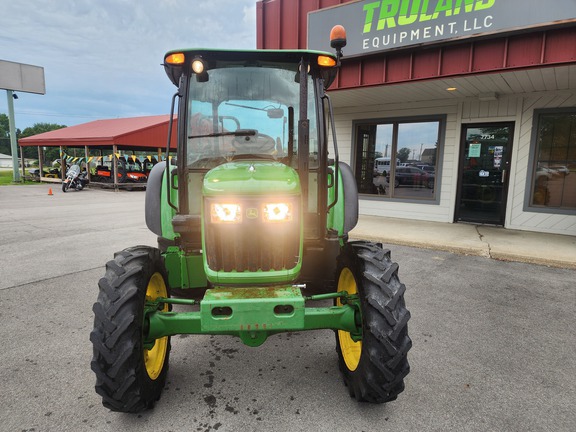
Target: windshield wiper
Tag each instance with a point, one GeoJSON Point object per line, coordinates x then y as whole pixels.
{"type": "Point", "coordinates": [237, 132]}
{"type": "Point", "coordinates": [273, 113]}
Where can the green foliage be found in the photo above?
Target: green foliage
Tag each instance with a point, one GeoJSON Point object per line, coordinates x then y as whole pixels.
{"type": "Point", "coordinates": [4, 126]}
{"type": "Point", "coordinates": [51, 153]}
{"type": "Point", "coordinates": [5, 135]}
{"type": "Point", "coordinates": [403, 154]}
{"type": "Point", "coordinates": [39, 128]}
{"type": "Point", "coordinates": [5, 146]}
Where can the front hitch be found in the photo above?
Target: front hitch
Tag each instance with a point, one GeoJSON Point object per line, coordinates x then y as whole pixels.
{"type": "Point", "coordinates": [252, 314]}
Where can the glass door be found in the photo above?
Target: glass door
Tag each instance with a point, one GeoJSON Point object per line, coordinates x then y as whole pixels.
{"type": "Point", "coordinates": [484, 173]}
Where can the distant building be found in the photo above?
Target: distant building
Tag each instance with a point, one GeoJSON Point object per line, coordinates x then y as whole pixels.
{"type": "Point", "coordinates": [429, 156]}
{"type": "Point", "coordinates": [5, 161]}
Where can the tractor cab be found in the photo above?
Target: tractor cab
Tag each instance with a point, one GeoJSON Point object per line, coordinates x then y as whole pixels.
{"type": "Point", "coordinates": [255, 186]}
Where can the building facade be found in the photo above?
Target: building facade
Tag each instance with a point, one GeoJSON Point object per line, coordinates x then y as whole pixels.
{"type": "Point", "coordinates": [450, 111]}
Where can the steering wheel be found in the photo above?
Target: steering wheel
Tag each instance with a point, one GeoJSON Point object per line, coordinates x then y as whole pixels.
{"type": "Point", "coordinates": [254, 144]}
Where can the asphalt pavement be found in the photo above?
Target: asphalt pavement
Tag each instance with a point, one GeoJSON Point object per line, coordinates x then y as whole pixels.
{"type": "Point", "coordinates": [493, 340]}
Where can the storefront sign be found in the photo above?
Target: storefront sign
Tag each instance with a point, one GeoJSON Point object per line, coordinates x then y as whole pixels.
{"type": "Point", "coordinates": [374, 26]}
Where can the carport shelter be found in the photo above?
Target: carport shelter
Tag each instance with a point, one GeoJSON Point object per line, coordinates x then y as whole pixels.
{"type": "Point", "coordinates": [106, 138]}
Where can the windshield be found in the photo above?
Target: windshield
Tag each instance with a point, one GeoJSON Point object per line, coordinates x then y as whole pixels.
{"type": "Point", "coordinates": [74, 170]}
{"type": "Point", "coordinates": [245, 112]}
{"type": "Point", "coordinates": [133, 164]}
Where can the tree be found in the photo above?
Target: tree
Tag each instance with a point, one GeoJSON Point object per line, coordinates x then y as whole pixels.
{"type": "Point", "coordinates": [403, 154]}
{"type": "Point", "coordinates": [5, 135]}
{"type": "Point", "coordinates": [38, 128]}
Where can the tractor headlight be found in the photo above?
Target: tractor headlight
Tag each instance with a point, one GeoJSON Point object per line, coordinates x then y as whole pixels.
{"type": "Point", "coordinates": [277, 212]}
{"type": "Point", "coordinates": [225, 213]}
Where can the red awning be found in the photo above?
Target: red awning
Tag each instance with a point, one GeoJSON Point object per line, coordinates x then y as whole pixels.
{"type": "Point", "coordinates": [135, 132]}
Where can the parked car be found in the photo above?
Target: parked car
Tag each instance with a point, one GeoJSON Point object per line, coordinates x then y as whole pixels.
{"type": "Point", "coordinates": [428, 168]}
{"type": "Point", "coordinates": [412, 176]}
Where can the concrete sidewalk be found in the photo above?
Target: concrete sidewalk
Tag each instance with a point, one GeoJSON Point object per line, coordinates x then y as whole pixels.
{"type": "Point", "coordinates": [493, 242]}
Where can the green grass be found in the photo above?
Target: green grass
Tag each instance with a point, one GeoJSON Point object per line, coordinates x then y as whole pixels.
{"type": "Point", "coordinates": [6, 177]}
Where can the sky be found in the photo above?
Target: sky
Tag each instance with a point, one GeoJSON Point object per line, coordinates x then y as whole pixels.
{"type": "Point", "coordinates": [102, 58]}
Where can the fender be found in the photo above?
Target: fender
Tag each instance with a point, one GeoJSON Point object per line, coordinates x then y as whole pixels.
{"type": "Point", "coordinates": [158, 214]}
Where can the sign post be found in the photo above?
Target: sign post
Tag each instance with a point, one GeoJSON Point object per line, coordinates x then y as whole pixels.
{"type": "Point", "coordinates": [13, 143]}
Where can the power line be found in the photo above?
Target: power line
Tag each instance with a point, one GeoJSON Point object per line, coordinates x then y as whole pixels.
{"type": "Point", "coordinates": [56, 115]}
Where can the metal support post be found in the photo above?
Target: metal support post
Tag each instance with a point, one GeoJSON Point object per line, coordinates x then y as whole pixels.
{"type": "Point", "coordinates": [13, 142]}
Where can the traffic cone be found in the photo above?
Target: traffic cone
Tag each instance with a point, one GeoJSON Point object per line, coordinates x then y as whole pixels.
{"type": "Point", "coordinates": [50, 191]}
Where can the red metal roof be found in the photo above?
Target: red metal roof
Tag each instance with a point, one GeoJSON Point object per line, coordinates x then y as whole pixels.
{"type": "Point", "coordinates": [149, 131]}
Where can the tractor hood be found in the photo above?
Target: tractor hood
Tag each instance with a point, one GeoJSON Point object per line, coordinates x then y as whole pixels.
{"type": "Point", "coordinates": [251, 177]}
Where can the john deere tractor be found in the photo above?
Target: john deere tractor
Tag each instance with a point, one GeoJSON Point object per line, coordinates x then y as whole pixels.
{"type": "Point", "coordinates": [252, 224]}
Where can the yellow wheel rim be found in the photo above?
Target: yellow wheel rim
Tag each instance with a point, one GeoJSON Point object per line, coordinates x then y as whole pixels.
{"type": "Point", "coordinates": [154, 358]}
{"type": "Point", "coordinates": [351, 350]}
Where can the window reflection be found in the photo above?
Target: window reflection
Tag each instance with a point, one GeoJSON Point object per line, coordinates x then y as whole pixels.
{"type": "Point", "coordinates": [398, 159]}
{"type": "Point", "coordinates": [554, 176]}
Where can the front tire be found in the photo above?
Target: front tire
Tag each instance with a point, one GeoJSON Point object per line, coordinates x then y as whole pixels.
{"type": "Point", "coordinates": [65, 186]}
{"type": "Point", "coordinates": [129, 377]}
{"type": "Point", "coordinates": [374, 368]}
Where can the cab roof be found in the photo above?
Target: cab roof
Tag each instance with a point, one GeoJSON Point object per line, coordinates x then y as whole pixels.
{"type": "Point", "coordinates": [213, 56]}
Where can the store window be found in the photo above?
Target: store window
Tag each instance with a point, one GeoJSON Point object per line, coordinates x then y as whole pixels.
{"type": "Point", "coordinates": [554, 170]}
{"type": "Point", "coordinates": [398, 158]}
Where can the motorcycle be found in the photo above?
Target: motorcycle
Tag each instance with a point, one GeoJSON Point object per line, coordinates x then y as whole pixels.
{"type": "Point", "coordinates": [75, 179]}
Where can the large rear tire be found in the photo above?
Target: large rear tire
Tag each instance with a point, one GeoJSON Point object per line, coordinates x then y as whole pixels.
{"type": "Point", "coordinates": [129, 377]}
{"type": "Point", "coordinates": [375, 367]}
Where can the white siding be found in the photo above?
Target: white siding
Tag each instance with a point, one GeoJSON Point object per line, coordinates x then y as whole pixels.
{"type": "Point", "coordinates": [518, 109]}
{"type": "Point", "coordinates": [517, 217]}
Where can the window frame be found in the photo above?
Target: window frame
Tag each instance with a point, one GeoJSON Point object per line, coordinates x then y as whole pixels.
{"type": "Point", "coordinates": [533, 160]}
{"type": "Point", "coordinates": [442, 121]}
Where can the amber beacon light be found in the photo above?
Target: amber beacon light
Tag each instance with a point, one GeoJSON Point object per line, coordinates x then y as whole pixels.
{"type": "Point", "coordinates": [338, 37]}
{"type": "Point", "coordinates": [338, 40]}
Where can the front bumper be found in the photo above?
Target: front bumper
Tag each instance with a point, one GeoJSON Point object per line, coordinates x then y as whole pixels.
{"type": "Point", "coordinates": [252, 314]}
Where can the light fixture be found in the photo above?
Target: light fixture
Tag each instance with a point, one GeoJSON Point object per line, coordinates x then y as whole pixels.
{"type": "Point", "coordinates": [450, 89]}
{"type": "Point", "coordinates": [197, 66]}
{"type": "Point", "coordinates": [175, 59]}
{"type": "Point", "coordinates": [225, 213]}
{"type": "Point", "coordinates": [277, 212]}
{"type": "Point", "coordinates": [200, 69]}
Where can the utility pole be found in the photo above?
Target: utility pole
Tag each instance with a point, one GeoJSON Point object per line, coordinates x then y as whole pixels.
{"type": "Point", "coordinates": [13, 142]}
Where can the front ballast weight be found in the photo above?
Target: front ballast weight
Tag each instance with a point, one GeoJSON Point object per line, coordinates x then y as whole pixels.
{"type": "Point", "coordinates": [134, 322]}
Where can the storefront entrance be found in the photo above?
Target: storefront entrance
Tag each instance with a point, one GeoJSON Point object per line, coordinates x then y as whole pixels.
{"type": "Point", "coordinates": [484, 173]}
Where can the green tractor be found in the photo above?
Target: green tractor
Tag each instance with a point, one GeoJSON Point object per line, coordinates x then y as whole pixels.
{"type": "Point", "coordinates": [252, 224]}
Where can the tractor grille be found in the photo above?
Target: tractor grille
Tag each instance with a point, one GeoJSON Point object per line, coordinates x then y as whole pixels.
{"type": "Point", "coordinates": [252, 244]}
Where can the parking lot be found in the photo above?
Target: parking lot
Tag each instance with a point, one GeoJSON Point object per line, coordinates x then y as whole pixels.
{"type": "Point", "coordinates": [493, 342]}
